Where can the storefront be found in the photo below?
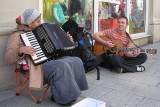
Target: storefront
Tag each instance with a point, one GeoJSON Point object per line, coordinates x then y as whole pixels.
{"type": "Point", "coordinates": [103, 13]}
{"type": "Point", "coordinates": [59, 11]}
{"type": "Point", "coordinates": [107, 11]}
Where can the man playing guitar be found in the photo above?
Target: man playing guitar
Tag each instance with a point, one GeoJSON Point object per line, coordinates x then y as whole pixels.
{"type": "Point", "coordinates": [128, 61]}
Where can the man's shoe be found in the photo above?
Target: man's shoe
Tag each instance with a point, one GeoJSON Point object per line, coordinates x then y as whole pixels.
{"type": "Point", "coordinates": [141, 68]}
{"type": "Point", "coordinates": [119, 70]}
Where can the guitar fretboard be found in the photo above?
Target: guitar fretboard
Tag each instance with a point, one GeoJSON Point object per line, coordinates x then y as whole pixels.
{"type": "Point", "coordinates": [151, 51]}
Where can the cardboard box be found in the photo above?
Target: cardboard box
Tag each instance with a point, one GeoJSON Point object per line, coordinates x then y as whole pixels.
{"type": "Point", "coordinates": [89, 102]}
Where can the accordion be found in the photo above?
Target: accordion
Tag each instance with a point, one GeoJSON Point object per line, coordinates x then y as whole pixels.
{"type": "Point", "coordinates": [49, 40]}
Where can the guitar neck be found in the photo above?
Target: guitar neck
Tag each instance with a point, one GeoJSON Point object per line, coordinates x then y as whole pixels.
{"type": "Point", "coordinates": [100, 48]}
{"type": "Point", "coordinates": [151, 51]}
{"type": "Point", "coordinates": [127, 49]}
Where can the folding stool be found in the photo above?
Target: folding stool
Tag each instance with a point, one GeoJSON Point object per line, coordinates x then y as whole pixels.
{"type": "Point", "coordinates": [22, 79]}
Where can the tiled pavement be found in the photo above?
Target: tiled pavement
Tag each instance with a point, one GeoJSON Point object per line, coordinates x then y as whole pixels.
{"type": "Point", "coordinates": [140, 89]}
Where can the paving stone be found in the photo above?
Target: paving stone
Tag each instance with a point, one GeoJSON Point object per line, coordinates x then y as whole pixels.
{"type": "Point", "coordinates": [147, 91]}
{"type": "Point", "coordinates": [148, 103]}
{"type": "Point", "coordinates": [19, 101]}
{"type": "Point", "coordinates": [4, 95]}
{"type": "Point", "coordinates": [120, 84]}
{"type": "Point", "coordinates": [118, 98]}
{"type": "Point", "coordinates": [158, 86]}
{"type": "Point", "coordinates": [156, 74]}
{"type": "Point", "coordinates": [146, 80]}
{"type": "Point", "coordinates": [95, 91]}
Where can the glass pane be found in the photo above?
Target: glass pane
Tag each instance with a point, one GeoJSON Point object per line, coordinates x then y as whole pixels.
{"type": "Point", "coordinates": [108, 12]}
{"type": "Point", "coordinates": [137, 16]}
{"type": "Point", "coordinates": [78, 10]}
{"type": "Point", "coordinates": [81, 12]}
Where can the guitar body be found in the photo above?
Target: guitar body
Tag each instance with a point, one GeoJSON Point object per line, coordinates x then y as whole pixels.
{"type": "Point", "coordinates": [118, 49]}
{"type": "Point", "coordinates": [100, 48]}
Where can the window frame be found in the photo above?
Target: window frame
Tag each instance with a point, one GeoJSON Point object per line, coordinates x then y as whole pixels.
{"type": "Point", "coordinates": [135, 35]}
{"type": "Point", "coordinates": [95, 12]}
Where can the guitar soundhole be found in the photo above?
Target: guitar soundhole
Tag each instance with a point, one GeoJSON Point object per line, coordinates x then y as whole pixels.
{"type": "Point", "coordinates": [113, 48]}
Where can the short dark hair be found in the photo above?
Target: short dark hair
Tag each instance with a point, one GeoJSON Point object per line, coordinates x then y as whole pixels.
{"type": "Point", "coordinates": [124, 17]}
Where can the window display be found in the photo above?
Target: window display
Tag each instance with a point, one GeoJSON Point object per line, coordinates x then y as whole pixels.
{"type": "Point", "coordinates": [105, 14]}
{"type": "Point", "coordinates": [59, 11]}
{"type": "Point", "coordinates": [121, 9]}
{"type": "Point", "coordinates": [108, 12]}
{"type": "Point", "coordinates": [137, 16]}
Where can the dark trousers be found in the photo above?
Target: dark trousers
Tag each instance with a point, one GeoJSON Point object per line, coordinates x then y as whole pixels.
{"type": "Point", "coordinates": [127, 63]}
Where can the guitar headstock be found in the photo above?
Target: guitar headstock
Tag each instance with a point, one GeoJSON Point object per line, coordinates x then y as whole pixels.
{"type": "Point", "coordinates": [151, 51]}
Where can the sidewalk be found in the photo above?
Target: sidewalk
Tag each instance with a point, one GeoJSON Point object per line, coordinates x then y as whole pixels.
{"type": "Point", "coordinates": [140, 89]}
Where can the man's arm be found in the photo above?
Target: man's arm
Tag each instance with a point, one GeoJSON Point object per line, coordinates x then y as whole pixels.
{"type": "Point", "coordinates": [98, 39]}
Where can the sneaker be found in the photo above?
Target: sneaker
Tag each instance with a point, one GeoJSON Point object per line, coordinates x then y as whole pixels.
{"type": "Point", "coordinates": [119, 70]}
{"type": "Point", "coordinates": [141, 68]}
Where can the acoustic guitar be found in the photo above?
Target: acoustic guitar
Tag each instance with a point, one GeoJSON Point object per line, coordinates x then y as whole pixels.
{"type": "Point", "coordinates": [118, 49]}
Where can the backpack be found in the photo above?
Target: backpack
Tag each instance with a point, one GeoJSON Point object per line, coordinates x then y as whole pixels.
{"type": "Point", "coordinates": [84, 45]}
{"type": "Point", "coordinates": [85, 50]}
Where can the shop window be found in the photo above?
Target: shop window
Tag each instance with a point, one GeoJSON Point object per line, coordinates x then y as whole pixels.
{"type": "Point", "coordinates": [108, 12]}
{"type": "Point", "coordinates": [137, 15]}
{"type": "Point", "coordinates": [59, 11]}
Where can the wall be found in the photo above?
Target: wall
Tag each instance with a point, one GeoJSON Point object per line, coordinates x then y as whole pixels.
{"type": "Point", "coordinates": [154, 21]}
{"type": "Point", "coordinates": [9, 11]}
{"type": "Point", "coordinates": [7, 76]}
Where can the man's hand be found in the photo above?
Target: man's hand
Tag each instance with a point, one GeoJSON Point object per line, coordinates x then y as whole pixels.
{"type": "Point", "coordinates": [133, 54]}
{"type": "Point", "coordinates": [110, 44]}
{"type": "Point", "coordinates": [136, 52]}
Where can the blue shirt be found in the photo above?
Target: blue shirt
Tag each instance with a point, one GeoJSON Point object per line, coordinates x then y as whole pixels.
{"type": "Point", "coordinates": [60, 14]}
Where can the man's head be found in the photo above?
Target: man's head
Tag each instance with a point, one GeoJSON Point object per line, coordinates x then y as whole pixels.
{"type": "Point", "coordinates": [122, 23]}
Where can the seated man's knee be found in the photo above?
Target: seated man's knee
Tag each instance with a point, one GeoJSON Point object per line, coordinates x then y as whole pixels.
{"type": "Point", "coordinates": [115, 57]}
{"type": "Point", "coordinates": [144, 56]}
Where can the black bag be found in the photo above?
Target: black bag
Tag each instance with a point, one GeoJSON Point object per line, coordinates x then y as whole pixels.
{"type": "Point", "coordinates": [84, 49]}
